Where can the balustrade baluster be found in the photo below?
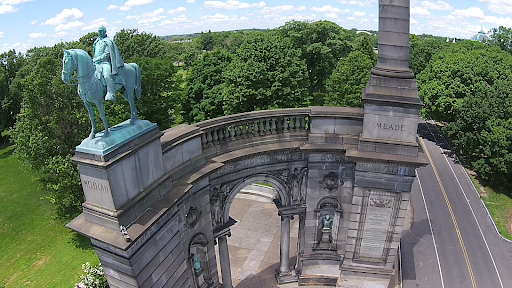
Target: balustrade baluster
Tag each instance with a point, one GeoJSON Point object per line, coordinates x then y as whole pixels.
{"type": "Point", "coordinates": [255, 130]}
{"type": "Point", "coordinates": [303, 123]}
{"type": "Point", "coordinates": [267, 126]}
{"type": "Point", "coordinates": [279, 124]}
{"type": "Point", "coordinates": [209, 137]}
{"type": "Point", "coordinates": [237, 131]}
{"type": "Point", "coordinates": [297, 124]}
{"type": "Point", "coordinates": [221, 135]}
{"type": "Point", "coordinates": [262, 128]}
{"type": "Point", "coordinates": [244, 130]}
{"type": "Point", "coordinates": [203, 139]}
{"type": "Point", "coordinates": [285, 128]}
{"type": "Point", "coordinates": [273, 126]}
{"type": "Point", "coordinates": [215, 136]}
{"type": "Point", "coordinates": [232, 132]}
{"type": "Point", "coordinates": [226, 133]}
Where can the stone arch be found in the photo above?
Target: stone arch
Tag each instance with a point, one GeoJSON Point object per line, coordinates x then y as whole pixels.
{"type": "Point", "coordinates": [276, 182]}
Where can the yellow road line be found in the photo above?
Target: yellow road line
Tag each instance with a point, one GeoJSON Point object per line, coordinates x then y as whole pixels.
{"type": "Point", "coordinates": [451, 214]}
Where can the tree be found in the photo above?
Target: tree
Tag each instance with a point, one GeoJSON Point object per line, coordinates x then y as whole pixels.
{"type": "Point", "coordinates": [10, 99]}
{"type": "Point", "coordinates": [205, 88]}
{"type": "Point", "coordinates": [344, 87]}
{"type": "Point", "coordinates": [266, 73]}
{"type": "Point", "coordinates": [132, 44]}
{"type": "Point", "coordinates": [206, 41]}
{"type": "Point", "coordinates": [502, 38]}
{"type": "Point", "coordinates": [421, 51]}
{"type": "Point", "coordinates": [51, 124]}
{"type": "Point", "coordinates": [322, 45]}
{"type": "Point", "coordinates": [468, 87]}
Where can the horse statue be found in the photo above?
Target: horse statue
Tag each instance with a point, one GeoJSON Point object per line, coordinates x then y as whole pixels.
{"type": "Point", "coordinates": [91, 89]}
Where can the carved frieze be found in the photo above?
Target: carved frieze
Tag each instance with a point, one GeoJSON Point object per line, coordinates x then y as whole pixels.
{"type": "Point", "coordinates": [192, 217]}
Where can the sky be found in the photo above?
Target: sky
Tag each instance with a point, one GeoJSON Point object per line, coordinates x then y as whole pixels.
{"type": "Point", "coordinates": [28, 23]}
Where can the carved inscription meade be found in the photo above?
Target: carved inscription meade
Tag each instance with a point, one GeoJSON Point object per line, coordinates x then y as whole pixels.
{"type": "Point", "coordinates": [388, 126]}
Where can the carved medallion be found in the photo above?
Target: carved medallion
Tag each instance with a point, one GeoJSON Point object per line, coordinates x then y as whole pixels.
{"type": "Point", "coordinates": [192, 217]}
{"type": "Point", "coordinates": [331, 181]}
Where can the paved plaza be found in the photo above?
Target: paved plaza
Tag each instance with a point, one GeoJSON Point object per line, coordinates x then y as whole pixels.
{"type": "Point", "coordinates": [254, 243]}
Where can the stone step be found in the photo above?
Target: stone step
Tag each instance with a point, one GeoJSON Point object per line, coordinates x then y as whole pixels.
{"type": "Point", "coordinates": [258, 193]}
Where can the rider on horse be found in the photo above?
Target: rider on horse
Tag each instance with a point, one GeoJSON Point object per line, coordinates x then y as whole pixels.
{"type": "Point", "coordinates": [108, 61]}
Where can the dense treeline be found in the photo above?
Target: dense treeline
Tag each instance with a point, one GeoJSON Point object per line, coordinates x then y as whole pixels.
{"type": "Point", "coordinates": [216, 74]}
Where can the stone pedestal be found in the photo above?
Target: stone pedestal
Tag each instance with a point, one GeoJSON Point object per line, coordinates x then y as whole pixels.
{"type": "Point", "coordinates": [325, 242]}
{"type": "Point", "coordinates": [115, 170]}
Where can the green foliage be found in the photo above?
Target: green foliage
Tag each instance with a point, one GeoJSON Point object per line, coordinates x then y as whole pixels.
{"type": "Point", "coordinates": [322, 44]}
{"type": "Point", "coordinates": [62, 182]}
{"type": "Point", "coordinates": [468, 86]}
{"type": "Point", "coordinates": [365, 44]}
{"type": "Point", "coordinates": [161, 91]}
{"type": "Point", "coordinates": [10, 98]}
{"type": "Point", "coordinates": [131, 43]}
{"type": "Point", "coordinates": [502, 38]}
{"type": "Point", "coordinates": [266, 73]}
{"type": "Point", "coordinates": [344, 87]}
{"type": "Point", "coordinates": [206, 41]}
{"type": "Point", "coordinates": [206, 86]}
{"type": "Point", "coordinates": [93, 277]}
{"type": "Point", "coordinates": [51, 123]}
{"type": "Point", "coordinates": [37, 249]}
{"type": "Point", "coordinates": [421, 51]}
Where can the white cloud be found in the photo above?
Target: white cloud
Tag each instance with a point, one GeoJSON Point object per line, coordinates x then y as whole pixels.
{"type": "Point", "coordinates": [283, 9]}
{"type": "Point", "coordinates": [7, 9]}
{"type": "Point", "coordinates": [232, 5]}
{"type": "Point", "coordinates": [326, 9]}
{"type": "Point", "coordinates": [439, 5]}
{"type": "Point", "coordinates": [209, 19]}
{"type": "Point", "coordinates": [96, 23]}
{"type": "Point", "coordinates": [132, 3]}
{"type": "Point", "coordinates": [413, 21]}
{"type": "Point", "coordinates": [498, 21]}
{"type": "Point", "coordinates": [65, 16]}
{"type": "Point", "coordinates": [14, 2]}
{"type": "Point", "coordinates": [33, 22]}
{"type": "Point", "coordinates": [69, 26]}
{"type": "Point", "coordinates": [191, 1]}
{"type": "Point", "coordinates": [331, 15]}
{"type": "Point", "coordinates": [177, 10]}
{"type": "Point", "coordinates": [177, 20]}
{"type": "Point", "coordinates": [60, 34]}
{"type": "Point", "coordinates": [359, 13]}
{"type": "Point", "coordinates": [37, 35]}
{"type": "Point", "coordinates": [112, 7]}
{"type": "Point", "coordinates": [1, 34]}
{"type": "Point", "coordinates": [421, 12]}
{"type": "Point", "coordinates": [472, 12]}
{"type": "Point", "coordinates": [499, 6]}
{"type": "Point", "coordinates": [149, 17]}
{"type": "Point", "coordinates": [366, 3]}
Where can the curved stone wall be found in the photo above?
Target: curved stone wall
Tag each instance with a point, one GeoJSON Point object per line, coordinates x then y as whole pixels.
{"type": "Point", "coordinates": [309, 155]}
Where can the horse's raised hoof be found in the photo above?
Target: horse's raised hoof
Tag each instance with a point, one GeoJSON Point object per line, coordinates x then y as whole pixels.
{"type": "Point", "coordinates": [92, 135]}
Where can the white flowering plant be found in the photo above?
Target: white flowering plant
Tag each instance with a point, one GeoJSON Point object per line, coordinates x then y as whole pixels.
{"type": "Point", "coordinates": [93, 277]}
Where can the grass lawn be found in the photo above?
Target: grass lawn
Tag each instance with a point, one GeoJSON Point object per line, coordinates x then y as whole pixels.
{"type": "Point", "coordinates": [36, 250]}
{"type": "Point", "coordinates": [499, 204]}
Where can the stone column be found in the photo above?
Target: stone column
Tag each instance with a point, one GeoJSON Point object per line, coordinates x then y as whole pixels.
{"type": "Point", "coordinates": [300, 242]}
{"type": "Point", "coordinates": [284, 266]}
{"type": "Point", "coordinates": [225, 267]}
{"type": "Point", "coordinates": [393, 41]}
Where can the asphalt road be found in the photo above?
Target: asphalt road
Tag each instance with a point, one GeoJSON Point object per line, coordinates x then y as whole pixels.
{"type": "Point", "coordinates": [452, 242]}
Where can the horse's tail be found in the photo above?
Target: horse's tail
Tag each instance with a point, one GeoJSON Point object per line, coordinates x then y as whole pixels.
{"type": "Point", "coordinates": [138, 81]}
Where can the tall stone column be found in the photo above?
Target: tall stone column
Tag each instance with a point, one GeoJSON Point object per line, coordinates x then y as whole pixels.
{"type": "Point", "coordinates": [284, 266]}
{"type": "Point", "coordinates": [300, 242]}
{"type": "Point", "coordinates": [225, 267]}
{"type": "Point", "coordinates": [393, 39]}
{"type": "Point", "coordinates": [391, 101]}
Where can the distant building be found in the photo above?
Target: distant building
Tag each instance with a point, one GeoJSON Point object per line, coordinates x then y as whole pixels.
{"type": "Point", "coordinates": [480, 36]}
